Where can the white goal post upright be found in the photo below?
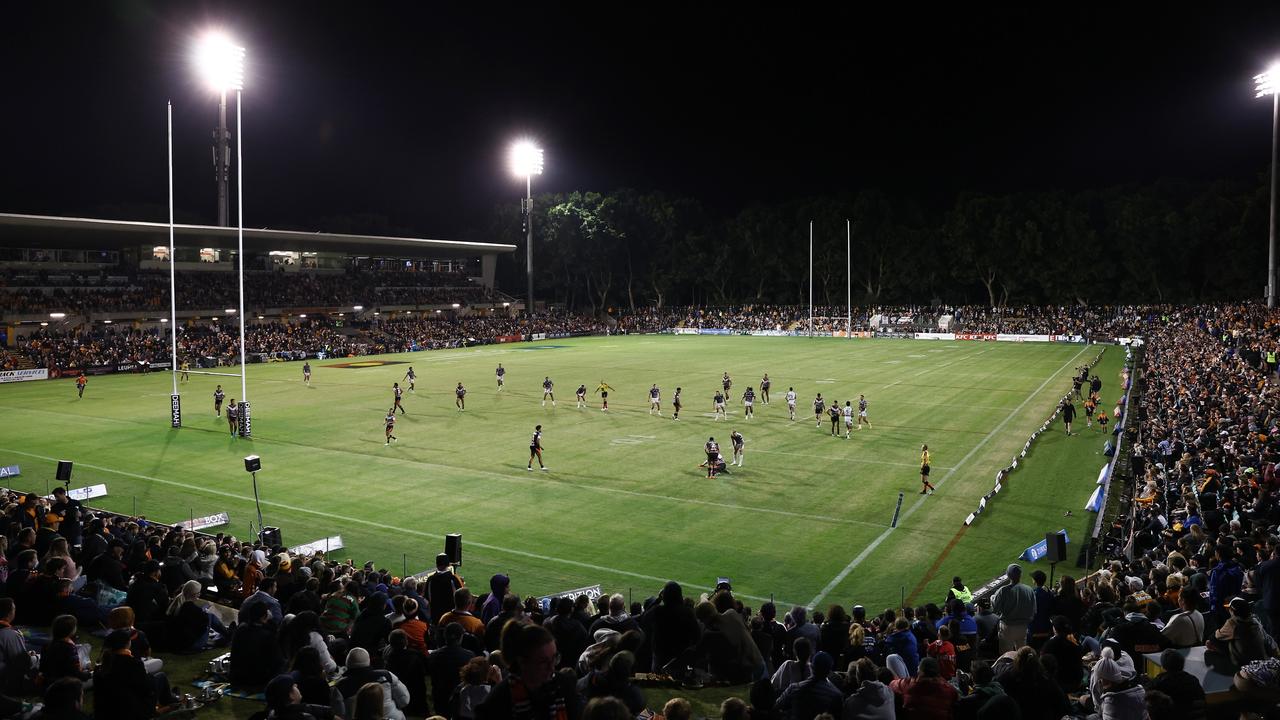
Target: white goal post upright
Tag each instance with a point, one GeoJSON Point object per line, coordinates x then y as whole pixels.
{"type": "Point", "coordinates": [245, 426]}
{"type": "Point", "coordinates": [848, 275]}
{"type": "Point", "coordinates": [175, 403]}
{"type": "Point", "coordinates": [810, 278]}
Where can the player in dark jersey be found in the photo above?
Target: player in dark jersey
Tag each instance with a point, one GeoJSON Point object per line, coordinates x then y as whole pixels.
{"type": "Point", "coordinates": [501, 374]}
{"type": "Point", "coordinates": [1095, 385]}
{"type": "Point", "coordinates": [582, 396]}
{"type": "Point", "coordinates": [81, 381]}
{"type": "Point", "coordinates": [926, 486]}
{"type": "Point", "coordinates": [862, 412]}
{"type": "Point", "coordinates": [712, 448]}
{"type": "Point", "coordinates": [764, 389]}
{"type": "Point", "coordinates": [1068, 414]}
{"type": "Point", "coordinates": [233, 414]}
{"type": "Point", "coordinates": [547, 391]}
{"type": "Point", "coordinates": [461, 397]}
{"type": "Point", "coordinates": [833, 413]}
{"type": "Point", "coordinates": [675, 404]}
{"type": "Point", "coordinates": [411, 377]}
{"type": "Point", "coordinates": [603, 389]}
{"type": "Point", "coordinates": [655, 400]}
{"type": "Point", "coordinates": [726, 382]}
{"type": "Point", "coordinates": [717, 407]}
{"type": "Point", "coordinates": [390, 421]}
{"type": "Point", "coordinates": [736, 438]}
{"type": "Point", "coordinates": [399, 394]}
{"type": "Point", "coordinates": [306, 372]}
{"type": "Point", "coordinates": [819, 407]}
{"type": "Point", "coordinates": [748, 402]}
{"type": "Point", "coordinates": [535, 448]}
{"type": "Point", "coordinates": [218, 396]}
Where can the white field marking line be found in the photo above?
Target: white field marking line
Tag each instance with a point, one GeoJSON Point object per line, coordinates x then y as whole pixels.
{"type": "Point", "coordinates": [358, 521]}
{"type": "Point", "coordinates": [839, 578]}
{"type": "Point", "coordinates": [953, 362]}
{"type": "Point", "coordinates": [523, 480]}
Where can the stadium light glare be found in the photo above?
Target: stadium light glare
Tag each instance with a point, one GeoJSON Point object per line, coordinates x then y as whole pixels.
{"type": "Point", "coordinates": [1267, 82]}
{"type": "Point", "coordinates": [230, 311]}
{"type": "Point", "coordinates": [44, 324]}
{"type": "Point", "coordinates": [57, 316]}
{"type": "Point", "coordinates": [357, 308]}
{"type": "Point", "coordinates": [525, 159]}
{"type": "Point", "coordinates": [456, 306]}
{"type": "Point", "coordinates": [506, 304]}
{"type": "Point", "coordinates": [164, 320]}
{"type": "Point", "coordinates": [220, 62]}
{"type": "Point", "coordinates": [107, 322]}
{"type": "Point", "coordinates": [302, 315]}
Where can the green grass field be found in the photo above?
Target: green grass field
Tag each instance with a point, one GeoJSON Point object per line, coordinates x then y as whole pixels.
{"type": "Point", "coordinates": [624, 504]}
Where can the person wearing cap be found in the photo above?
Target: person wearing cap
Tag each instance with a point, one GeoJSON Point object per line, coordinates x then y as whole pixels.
{"type": "Point", "coordinates": [959, 591]}
{"type": "Point", "coordinates": [1122, 697]}
{"type": "Point", "coordinates": [394, 693]}
{"type": "Point", "coordinates": [814, 695]}
{"type": "Point", "coordinates": [441, 585]}
{"type": "Point", "coordinates": [1015, 605]}
{"type": "Point", "coordinates": [1239, 641]}
{"type": "Point", "coordinates": [147, 595]}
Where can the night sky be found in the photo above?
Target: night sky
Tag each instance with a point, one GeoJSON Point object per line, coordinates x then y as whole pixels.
{"type": "Point", "coordinates": [405, 110]}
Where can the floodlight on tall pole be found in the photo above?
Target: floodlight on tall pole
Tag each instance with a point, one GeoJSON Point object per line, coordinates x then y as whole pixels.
{"type": "Point", "coordinates": [1268, 83]}
{"type": "Point", "coordinates": [526, 161]}
{"type": "Point", "coordinates": [220, 63]}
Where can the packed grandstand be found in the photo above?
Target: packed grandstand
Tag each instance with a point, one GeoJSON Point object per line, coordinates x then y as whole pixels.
{"type": "Point", "coordinates": [1190, 560]}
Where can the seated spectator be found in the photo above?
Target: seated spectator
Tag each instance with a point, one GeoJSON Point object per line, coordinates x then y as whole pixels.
{"type": "Point", "coordinates": [463, 604]}
{"type": "Point", "coordinates": [478, 678]}
{"type": "Point", "coordinates": [870, 699]}
{"type": "Point", "coordinates": [255, 653]}
{"type": "Point", "coordinates": [615, 681]}
{"type": "Point", "coordinates": [189, 622]}
{"type": "Point", "coordinates": [726, 645]}
{"type": "Point", "coordinates": [617, 618]}
{"type": "Point", "coordinates": [944, 651]}
{"type": "Point", "coordinates": [284, 702]}
{"type": "Point", "coordinates": [445, 664]}
{"type": "Point", "coordinates": [63, 700]}
{"type": "Point", "coordinates": [926, 697]}
{"type": "Point", "coordinates": [395, 694]}
{"type": "Point", "coordinates": [1036, 694]}
{"type": "Point", "coordinates": [1181, 686]}
{"type": "Point", "coordinates": [813, 695]}
{"type": "Point", "coordinates": [796, 669]}
{"type": "Point", "coordinates": [265, 594]}
{"type": "Point", "coordinates": [303, 631]}
{"type": "Point", "coordinates": [62, 656]}
{"type": "Point", "coordinates": [985, 688]}
{"type": "Point", "coordinates": [530, 650]}
{"type": "Point", "coordinates": [1122, 697]}
{"type": "Point", "coordinates": [511, 609]}
{"type": "Point", "coordinates": [121, 686]}
{"type": "Point", "coordinates": [371, 627]}
{"type": "Point", "coordinates": [15, 659]}
{"type": "Point", "coordinates": [1067, 653]}
{"type": "Point", "coordinates": [68, 602]}
{"type": "Point", "coordinates": [121, 618]}
{"type": "Point", "coordinates": [1186, 627]}
{"type": "Point", "coordinates": [312, 679]}
{"type": "Point", "coordinates": [902, 642]}
{"type": "Point", "coordinates": [307, 598]}
{"type": "Point", "coordinates": [499, 585]}
{"type": "Point", "coordinates": [1238, 642]}
{"type": "Point", "coordinates": [834, 633]}
{"type": "Point", "coordinates": [410, 666]}
{"type": "Point", "coordinates": [147, 595]}
{"type": "Point", "coordinates": [340, 609]}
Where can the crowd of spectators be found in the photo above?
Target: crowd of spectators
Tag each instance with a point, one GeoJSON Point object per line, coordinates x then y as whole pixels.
{"type": "Point", "coordinates": [148, 291]}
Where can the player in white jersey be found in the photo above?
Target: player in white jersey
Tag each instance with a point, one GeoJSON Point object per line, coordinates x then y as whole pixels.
{"type": "Point", "coordinates": [748, 402]}
{"type": "Point", "coordinates": [848, 417]}
{"type": "Point", "coordinates": [411, 377]}
{"type": "Point", "coordinates": [390, 422]}
{"type": "Point", "coordinates": [791, 403]}
{"type": "Point", "coordinates": [547, 392]}
{"type": "Point", "coordinates": [655, 397]}
{"type": "Point", "coordinates": [500, 373]}
{"type": "Point", "coordinates": [862, 412]}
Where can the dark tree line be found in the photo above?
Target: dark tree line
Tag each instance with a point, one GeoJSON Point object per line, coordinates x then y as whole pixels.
{"type": "Point", "coordinates": [1166, 242]}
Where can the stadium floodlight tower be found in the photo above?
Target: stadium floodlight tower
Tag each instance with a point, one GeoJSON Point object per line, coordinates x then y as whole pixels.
{"type": "Point", "coordinates": [220, 62]}
{"type": "Point", "coordinates": [526, 161]}
{"type": "Point", "coordinates": [1268, 83]}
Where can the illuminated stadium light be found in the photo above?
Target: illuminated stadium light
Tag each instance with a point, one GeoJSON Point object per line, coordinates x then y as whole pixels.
{"type": "Point", "coordinates": [341, 314]}
{"type": "Point", "coordinates": [57, 316]}
{"type": "Point", "coordinates": [302, 315]}
{"type": "Point", "coordinates": [164, 320]}
{"type": "Point", "coordinates": [107, 322]}
{"type": "Point", "coordinates": [358, 308]}
{"type": "Point", "coordinates": [260, 317]}
{"type": "Point", "coordinates": [230, 311]}
{"type": "Point", "coordinates": [44, 324]}
{"type": "Point", "coordinates": [507, 304]}
{"type": "Point", "coordinates": [456, 306]}
{"type": "Point", "coordinates": [220, 62]}
{"type": "Point", "coordinates": [525, 159]}
{"type": "Point", "coordinates": [1268, 81]}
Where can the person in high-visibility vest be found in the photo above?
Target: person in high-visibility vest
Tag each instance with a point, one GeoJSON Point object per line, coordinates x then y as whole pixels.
{"type": "Point", "coordinates": [959, 591]}
{"type": "Point", "coordinates": [1271, 361]}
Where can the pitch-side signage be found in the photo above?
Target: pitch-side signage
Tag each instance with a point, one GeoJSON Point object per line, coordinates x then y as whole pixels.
{"type": "Point", "coordinates": [8, 376]}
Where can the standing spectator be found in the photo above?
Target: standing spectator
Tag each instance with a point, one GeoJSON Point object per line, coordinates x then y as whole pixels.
{"type": "Point", "coordinates": [1015, 605]}
{"type": "Point", "coordinates": [444, 665]}
{"type": "Point", "coordinates": [441, 586]}
{"type": "Point", "coordinates": [410, 666]}
{"type": "Point", "coordinates": [463, 604]}
{"type": "Point", "coordinates": [498, 587]}
{"type": "Point", "coordinates": [572, 639]}
{"type": "Point", "coordinates": [669, 625]}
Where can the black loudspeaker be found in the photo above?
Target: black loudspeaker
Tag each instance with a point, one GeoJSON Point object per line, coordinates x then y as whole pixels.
{"type": "Point", "coordinates": [1057, 547]}
{"type": "Point", "coordinates": [453, 547]}
{"type": "Point", "coordinates": [270, 537]}
{"type": "Point", "coordinates": [64, 471]}
{"type": "Point", "coordinates": [253, 463]}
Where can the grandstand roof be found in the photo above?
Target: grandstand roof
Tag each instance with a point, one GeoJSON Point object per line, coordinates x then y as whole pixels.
{"type": "Point", "coordinates": [96, 234]}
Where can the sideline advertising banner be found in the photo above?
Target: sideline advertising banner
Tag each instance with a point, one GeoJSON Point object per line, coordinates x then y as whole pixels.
{"type": "Point", "coordinates": [1040, 549]}
{"type": "Point", "coordinates": [8, 376]}
{"type": "Point", "coordinates": [935, 336]}
{"type": "Point", "coordinates": [1010, 337]}
{"type": "Point", "coordinates": [975, 336]}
